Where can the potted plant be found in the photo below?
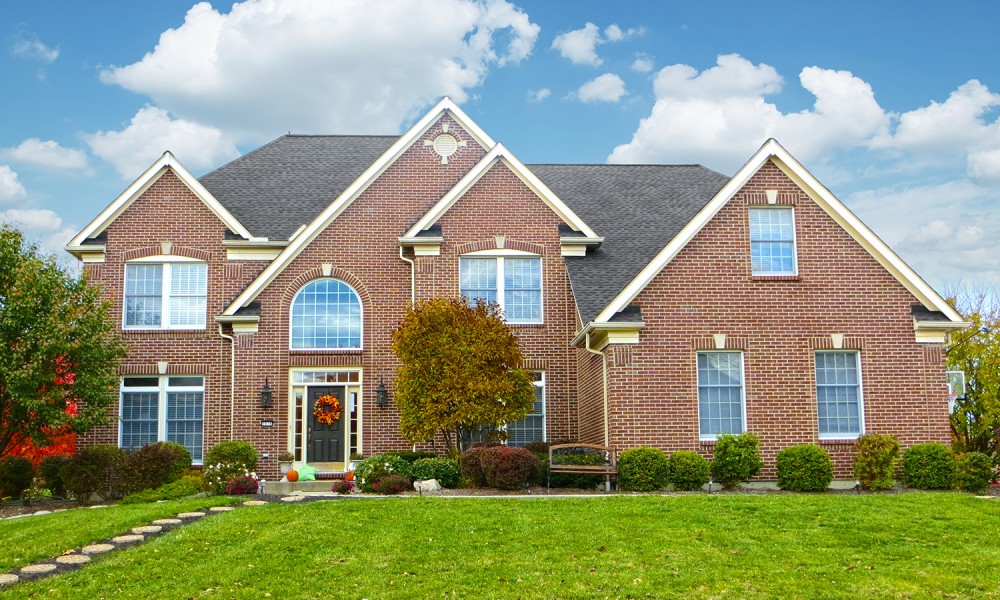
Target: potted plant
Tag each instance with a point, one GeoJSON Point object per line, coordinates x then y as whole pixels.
{"type": "Point", "coordinates": [356, 457]}
{"type": "Point", "coordinates": [285, 460]}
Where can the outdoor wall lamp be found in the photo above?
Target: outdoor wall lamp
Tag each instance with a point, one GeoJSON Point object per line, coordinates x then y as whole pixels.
{"type": "Point", "coordinates": [381, 394]}
{"type": "Point", "coordinates": [265, 395]}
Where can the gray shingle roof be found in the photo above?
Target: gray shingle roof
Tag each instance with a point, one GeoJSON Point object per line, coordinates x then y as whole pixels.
{"type": "Point", "coordinates": [637, 208]}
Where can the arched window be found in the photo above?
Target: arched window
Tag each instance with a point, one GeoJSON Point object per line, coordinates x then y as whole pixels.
{"type": "Point", "coordinates": [326, 314]}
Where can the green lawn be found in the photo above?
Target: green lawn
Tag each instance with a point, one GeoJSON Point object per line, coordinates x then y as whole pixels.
{"type": "Point", "coordinates": [913, 545]}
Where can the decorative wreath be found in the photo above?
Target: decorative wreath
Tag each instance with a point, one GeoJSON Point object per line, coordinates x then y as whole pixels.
{"type": "Point", "coordinates": [327, 409]}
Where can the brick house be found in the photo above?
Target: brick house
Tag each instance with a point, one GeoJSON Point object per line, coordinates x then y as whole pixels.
{"type": "Point", "coordinates": [655, 304]}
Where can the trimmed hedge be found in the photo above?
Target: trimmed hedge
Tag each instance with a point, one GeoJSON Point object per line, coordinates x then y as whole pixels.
{"type": "Point", "coordinates": [973, 472]}
{"type": "Point", "coordinates": [446, 471]}
{"type": "Point", "coordinates": [156, 464]}
{"type": "Point", "coordinates": [233, 452]}
{"type": "Point", "coordinates": [508, 468]}
{"type": "Point", "coordinates": [805, 468]}
{"type": "Point", "coordinates": [736, 459]}
{"type": "Point", "coordinates": [875, 461]}
{"type": "Point", "coordinates": [643, 469]}
{"type": "Point", "coordinates": [688, 470]}
{"type": "Point", "coordinates": [929, 467]}
{"type": "Point", "coordinates": [16, 473]}
{"type": "Point", "coordinates": [472, 467]}
{"type": "Point", "coordinates": [96, 470]}
{"type": "Point", "coordinates": [369, 471]}
{"type": "Point", "coordinates": [51, 470]}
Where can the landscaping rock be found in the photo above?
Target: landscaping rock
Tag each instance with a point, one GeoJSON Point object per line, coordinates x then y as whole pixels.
{"type": "Point", "coordinates": [221, 508]}
{"type": "Point", "coordinates": [255, 503]}
{"type": "Point", "coordinates": [426, 485]}
{"type": "Point", "coordinates": [73, 559]}
{"type": "Point", "coordinates": [167, 522]}
{"type": "Point", "coordinates": [98, 548]}
{"type": "Point", "coordinates": [128, 539]}
{"type": "Point", "coordinates": [8, 578]}
{"type": "Point", "coordinates": [293, 499]}
{"type": "Point", "coordinates": [38, 569]}
{"type": "Point", "coordinates": [191, 515]}
{"type": "Point", "coordinates": [147, 529]}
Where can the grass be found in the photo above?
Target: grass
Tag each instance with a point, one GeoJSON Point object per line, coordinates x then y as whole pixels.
{"type": "Point", "coordinates": [694, 546]}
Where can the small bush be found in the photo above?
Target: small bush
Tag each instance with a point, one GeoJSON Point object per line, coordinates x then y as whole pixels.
{"type": "Point", "coordinates": [412, 457]}
{"type": "Point", "coordinates": [244, 484]}
{"type": "Point", "coordinates": [372, 469]}
{"type": "Point", "coordinates": [446, 471]}
{"type": "Point", "coordinates": [51, 470]}
{"type": "Point", "coordinates": [233, 452]}
{"type": "Point", "coordinates": [16, 473]}
{"type": "Point", "coordinates": [574, 480]}
{"type": "Point", "coordinates": [176, 490]}
{"type": "Point", "coordinates": [539, 449]}
{"type": "Point", "coordinates": [391, 484]}
{"type": "Point", "coordinates": [643, 469]}
{"type": "Point", "coordinates": [195, 477]}
{"type": "Point", "coordinates": [805, 468]}
{"type": "Point", "coordinates": [342, 486]}
{"type": "Point", "coordinates": [157, 464]}
{"type": "Point", "coordinates": [96, 470]}
{"type": "Point", "coordinates": [736, 459]}
{"type": "Point", "coordinates": [688, 470]}
{"type": "Point", "coordinates": [973, 472]}
{"type": "Point", "coordinates": [929, 467]}
{"type": "Point", "coordinates": [218, 476]}
{"type": "Point", "coordinates": [508, 468]}
{"type": "Point", "coordinates": [472, 468]}
{"type": "Point", "coordinates": [875, 461]}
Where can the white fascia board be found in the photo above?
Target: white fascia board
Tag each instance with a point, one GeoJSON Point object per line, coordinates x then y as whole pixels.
{"type": "Point", "coordinates": [499, 152]}
{"type": "Point", "coordinates": [166, 162]}
{"type": "Point", "coordinates": [331, 212]}
{"type": "Point", "coordinates": [822, 196]}
{"type": "Point", "coordinates": [592, 327]}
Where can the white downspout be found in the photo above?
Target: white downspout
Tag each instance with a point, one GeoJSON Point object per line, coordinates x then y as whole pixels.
{"type": "Point", "coordinates": [232, 381]}
{"type": "Point", "coordinates": [604, 383]}
{"type": "Point", "coordinates": [413, 276]}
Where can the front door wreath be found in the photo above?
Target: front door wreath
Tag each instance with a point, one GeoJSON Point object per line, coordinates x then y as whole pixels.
{"type": "Point", "coordinates": [327, 409]}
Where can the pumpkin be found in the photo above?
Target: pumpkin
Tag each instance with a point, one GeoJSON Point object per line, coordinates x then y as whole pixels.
{"type": "Point", "coordinates": [292, 475]}
{"type": "Point", "coordinates": [349, 476]}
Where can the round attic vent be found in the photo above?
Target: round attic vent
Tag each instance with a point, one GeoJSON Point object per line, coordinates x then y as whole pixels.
{"type": "Point", "coordinates": [445, 145]}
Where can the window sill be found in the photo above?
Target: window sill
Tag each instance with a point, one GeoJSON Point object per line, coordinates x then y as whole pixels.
{"type": "Point", "coordinates": [526, 324]}
{"type": "Point", "coordinates": [845, 441]}
{"type": "Point", "coordinates": [775, 278]}
{"type": "Point", "coordinates": [162, 329]}
{"type": "Point", "coordinates": [325, 350]}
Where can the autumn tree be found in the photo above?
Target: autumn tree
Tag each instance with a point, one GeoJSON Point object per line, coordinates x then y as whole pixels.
{"type": "Point", "coordinates": [975, 423]}
{"type": "Point", "coordinates": [58, 366]}
{"type": "Point", "coordinates": [459, 372]}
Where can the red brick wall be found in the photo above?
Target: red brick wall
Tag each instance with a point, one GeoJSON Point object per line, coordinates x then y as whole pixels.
{"type": "Point", "coordinates": [778, 324]}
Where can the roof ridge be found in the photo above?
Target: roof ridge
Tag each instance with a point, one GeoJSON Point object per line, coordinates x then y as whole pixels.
{"type": "Point", "coordinates": [243, 156]}
{"type": "Point", "coordinates": [342, 135]}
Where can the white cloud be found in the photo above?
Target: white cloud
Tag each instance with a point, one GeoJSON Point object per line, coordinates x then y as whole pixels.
{"type": "Point", "coordinates": [539, 95]}
{"type": "Point", "coordinates": [150, 133]}
{"type": "Point", "coordinates": [580, 45]}
{"type": "Point", "coordinates": [41, 225]}
{"type": "Point", "coordinates": [642, 63]}
{"type": "Point", "coordinates": [47, 154]}
{"type": "Point", "coordinates": [10, 188]}
{"type": "Point", "coordinates": [985, 166]}
{"type": "Point", "coordinates": [26, 45]}
{"type": "Point", "coordinates": [604, 88]}
{"type": "Point", "coordinates": [614, 33]}
{"type": "Point", "coordinates": [347, 67]}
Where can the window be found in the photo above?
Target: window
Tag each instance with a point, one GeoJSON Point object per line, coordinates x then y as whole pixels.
{"type": "Point", "coordinates": [520, 297]}
{"type": "Point", "coordinates": [720, 394]}
{"type": "Point", "coordinates": [157, 409]}
{"type": "Point", "coordinates": [772, 241]}
{"type": "Point", "coordinates": [165, 295]}
{"type": "Point", "coordinates": [838, 394]}
{"type": "Point", "coordinates": [532, 427]}
{"type": "Point", "coordinates": [326, 315]}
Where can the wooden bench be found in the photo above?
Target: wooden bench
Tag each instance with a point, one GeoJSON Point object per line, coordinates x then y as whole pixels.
{"type": "Point", "coordinates": [608, 468]}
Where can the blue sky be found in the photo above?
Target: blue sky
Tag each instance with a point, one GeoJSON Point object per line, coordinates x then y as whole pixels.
{"type": "Point", "coordinates": [894, 106]}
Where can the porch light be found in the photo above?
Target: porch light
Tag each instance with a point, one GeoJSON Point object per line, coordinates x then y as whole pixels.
{"type": "Point", "coordinates": [265, 395]}
{"type": "Point", "coordinates": [381, 394]}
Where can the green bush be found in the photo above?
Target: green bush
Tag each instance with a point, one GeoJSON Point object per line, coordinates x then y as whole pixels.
{"type": "Point", "coordinates": [446, 471]}
{"type": "Point", "coordinates": [412, 457]}
{"type": "Point", "coordinates": [195, 477]}
{"type": "Point", "coordinates": [538, 448]}
{"type": "Point", "coordinates": [219, 475]}
{"type": "Point", "coordinates": [574, 480]}
{"type": "Point", "coordinates": [369, 471]}
{"type": "Point", "coordinates": [391, 484]}
{"type": "Point", "coordinates": [509, 468]}
{"type": "Point", "coordinates": [805, 468]}
{"type": "Point", "coordinates": [929, 467]}
{"type": "Point", "coordinates": [176, 490]}
{"type": "Point", "coordinates": [233, 452]}
{"type": "Point", "coordinates": [51, 470]}
{"type": "Point", "coordinates": [157, 464]}
{"type": "Point", "coordinates": [643, 469]}
{"type": "Point", "coordinates": [973, 472]}
{"type": "Point", "coordinates": [688, 470]}
{"type": "Point", "coordinates": [875, 461]}
{"type": "Point", "coordinates": [96, 470]}
{"type": "Point", "coordinates": [16, 473]}
{"type": "Point", "coordinates": [736, 459]}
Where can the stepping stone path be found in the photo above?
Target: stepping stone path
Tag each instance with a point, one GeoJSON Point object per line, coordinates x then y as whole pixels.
{"type": "Point", "coordinates": [73, 559]}
{"type": "Point", "coordinates": [293, 498]}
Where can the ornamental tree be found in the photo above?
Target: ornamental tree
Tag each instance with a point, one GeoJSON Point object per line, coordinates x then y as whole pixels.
{"type": "Point", "coordinates": [459, 372]}
{"type": "Point", "coordinates": [975, 423]}
{"type": "Point", "coordinates": [58, 369]}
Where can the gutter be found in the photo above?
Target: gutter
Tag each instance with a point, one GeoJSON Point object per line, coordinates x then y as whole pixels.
{"type": "Point", "coordinates": [413, 275]}
{"type": "Point", "coordinates": [232, 381]}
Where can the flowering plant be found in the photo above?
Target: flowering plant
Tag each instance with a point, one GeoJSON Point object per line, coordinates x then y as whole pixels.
{"type": "Point", "coordinates": [220, 475]}
{"type": "Point", "coordinates": [343, 486]}
{"type": "Point", "coordinates": [327, 409]}
{"type": "Point", "coordinates": [244, 484]}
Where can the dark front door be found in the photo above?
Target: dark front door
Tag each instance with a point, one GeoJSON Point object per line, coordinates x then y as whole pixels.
{"type": "Point", "coordinates": [326, 442]}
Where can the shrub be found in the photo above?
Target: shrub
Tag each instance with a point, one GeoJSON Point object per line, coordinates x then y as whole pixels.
{"type": "Point", "coordinates": [182, 488]}
{"type": "Point", "coordinates": [342, 486]}
{"type": "Point", "coordinates": [571, 480]}
{"type": "Point", "coordinates": [805, 468]}
{"type": "Point", "coordinates": [156, 464]}
{"type": "Point", "coordinates": [875, 461]}
{"type": "Point", "coordinates": [446, 471]}
{"type": "Point", "coordinates": [372, 469]}
{"type": "Point", "coordinates": [233, 452]}
{"type": "Point", "coordinates": [688, 470]}
{"type": "Point", "coordinates": [96, 470]}
{"type": "Point", "coordinates": [412, 457]}
{"type": "Point", "coordinates": [736, 459]}
{"type": "Point", "coordinates": [539, 449]}
{"type": "Point", "coordinates": [16, 474]}
{"type": "Point", "coordinates": [391, 484]}
{"type": "Point", "coordinates": [51, 470]}
{"type": "Point", "coordinates": [973, 472]}
{"type": "Point", "coordinates": [929, 467]}
{"type": "Point", "coordinates": [472, 468]}
{"type": "Point", "coordinates": [195, 477]}
{"type": "Point", "coordinates": [218, 476]}
{"type": "Point", "coordinates": [244, 484]}
{"type": "Point", "coordinates": [508, 468]}
{"type": "Point", "coordinates": [643, 469]}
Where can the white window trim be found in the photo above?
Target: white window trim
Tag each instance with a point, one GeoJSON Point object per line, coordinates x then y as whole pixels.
{"type": "Point", "coordinates": [743, 392]}
{"type": "Point", "coordinates": [861, 399]}
{"type": "Point", "coordinates": [545, 400]}
{"type": "Point", "coordinates": [165, 289]}
{"type": "Point", "coordinates": [795, 245]}
{"type": "Point", "coordinates": [499, 256]}
{"type": "Point", "coordinates": [291, 310]}
{"type": "Point", "coordinates": [161, 404]}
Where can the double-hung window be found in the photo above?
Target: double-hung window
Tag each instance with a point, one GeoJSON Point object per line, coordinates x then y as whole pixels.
{"type": "Point", "coordinates": [721, 401]}
{"type": "Point", "coordinates": [169, 408]}
{"type": "Point", "coordinates": [532, 427]}
{"type": "Point", "coordinates": [838, 395]}
{"type": "Point", "coordinates": [514, 282]}
{"type": "Point", "coordinates": [165, 295]}
{"type": "Point", "coordinates": [772, 241]}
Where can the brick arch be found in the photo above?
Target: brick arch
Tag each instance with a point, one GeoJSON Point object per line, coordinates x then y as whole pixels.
{"type": "Point", "coordinates": [184, 251]}
{"type": "Point", "coordinates": [317, 273]}
{"type": "Point", "coordinates": [491, 244]}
